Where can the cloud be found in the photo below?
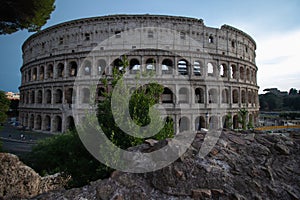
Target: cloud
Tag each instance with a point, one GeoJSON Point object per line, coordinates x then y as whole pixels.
{"type": "Point", "coordinates": [277, 60]}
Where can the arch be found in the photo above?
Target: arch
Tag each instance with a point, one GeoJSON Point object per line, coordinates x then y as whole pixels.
{"type": "Point", "coordinates": [198, 70]}
{"type": "Point", "coordinates": [38, 122]}
{"type": "Point", "coordinates": [134, 66]}
{"type": "Point", "coordinates": [243, 96]}
{"type": "Point", "coordinates": [167, 96]}
{"type": "Point", "coordinates": [183, 95]}
{"type": "Point", "coordinates": [183, 124]}
{"type": "Point", "coordinates": [31, 122]}
{"type": "Point", "coordinates": [47, 123]}
{"type": "Point", "coordinates": [69, 95]}
{"type": "Point", "coordinates": [42, 73]}
{"type": "Point", "coordinates": [57, 124]}
{"type": "Point", "coordinates": [199, 95]}
{"type": "Point", "coordinates": [210, 69]}
{"type": "Point", "coordinates": [73, 69]}
{"type": "Point", "coordinates": [227, 121]}
{"type": "Point", "coordinates": [58, 96]}
{"type": "Point", "coordinates": [233, 69]}
{"type": "Point", "coordinates": [242, 73]}
{"type": "Point", "coordinates": [32, 97]}
{"type": "Point", "coordinates": [48, 96]}
{"type": "Point", "coordinates": [167, 66]}
{"type": "Point", "coordinates": [223, 70]}
{"type": "Point", "coordinates": [49, 72]}
{"type": "Point", "coordinates": [182, 67]}
{"type": "Point", "coordinates": [101, 93]}
{"type": "Point", "coordinates": [199, 123]}
{"type": "Point", "coordinates": [70, 125]}
{"type": "Point", "coordinates": [213, 95]}
{"type": "Point", "coordinates": [235, 96]}
{"type": "Point", "coordinates": [39, 98]}
{"type": "Point", "coordinates": [225, 96]}
{"type": "Point", "coordinates": [85, 95]}
{"type": "Point", "coordinates": [213, 122]}
{"type": "Point", "coordinates": [248, 74]}
{"type": "Point", "coordinates": [87, 68]}
{"type": "Point", "coordinates": [101, 67]}
{"type": "Point", "coordinates": [150, 64]}
{"type": "Point", "coordinates": [60, 70]}
{"type": "Point", "coordinates": [210, 39]}
{"type": "Point", "coordinates": [235, 122]}
{"type": "Point", "coordinates": [118, 65]}
{"type": "Point", "coordinates": [34, 74]}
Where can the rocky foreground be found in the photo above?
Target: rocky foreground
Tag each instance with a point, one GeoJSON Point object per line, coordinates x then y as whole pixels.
{"type": "Point", "coordinates": [240, 166]}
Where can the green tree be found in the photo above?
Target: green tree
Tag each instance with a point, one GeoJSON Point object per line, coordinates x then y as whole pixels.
{"type": "Point", "coordinates": [4, 106]}
{"type": "Point", "coordinates": [17, 15]}
{"type": "Point", "coordinates": [243, 118]}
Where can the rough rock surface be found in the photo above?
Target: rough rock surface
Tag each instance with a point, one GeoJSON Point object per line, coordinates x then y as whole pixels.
{"type": "Point", "coordinates": [240, 166]}
{"type": "Point", "coordinates": [20, 181]}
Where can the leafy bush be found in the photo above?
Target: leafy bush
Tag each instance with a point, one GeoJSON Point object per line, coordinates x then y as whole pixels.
{"type": "Point", "coordinates": [65, 153]}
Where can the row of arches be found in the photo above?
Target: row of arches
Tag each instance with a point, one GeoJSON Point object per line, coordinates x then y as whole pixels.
{"type": "Point", "coordinates": [197, 68]}
{"type": "Point", "coordinates": [199, 96]}
{"type": "Point", "coordinates": [47, 122]}
{"type": "Point", "coordinates": [56, 123]}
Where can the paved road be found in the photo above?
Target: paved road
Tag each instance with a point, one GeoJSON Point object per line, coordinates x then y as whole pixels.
{"type": "Point", "coordinates": [19, 141]}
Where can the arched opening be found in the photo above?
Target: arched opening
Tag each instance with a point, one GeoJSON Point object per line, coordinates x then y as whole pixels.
{"type": "Point", "coordinates": [87, 68]}
{"type": "Point", "coordinates": [167, 96]}
{"type": "Point", "coordinates": [73, 69]}
{"type": "Point", "coordinates": [235, 96]}
{"type": "Point", "coordinates": [34, 74]}
{"type": "Point", "coordinates": [29, 75]}
{"type": "Point", "coordinates": [235, 122]}
{"type": "Point", "coordinates": [198, 71]}
{"type": "Point", "coordinates": [250, 97]}
{"type": "Point", "coordinates": [38, 123]}
{"type": "Point", "coordinates": [168, 120]}
{"type": "Point", "coordinates": [210, 69]}
{"type": "Point", "coordinates": [70, 123]}
{"type": "Point", "coordinates": [32, 97]}
{"type": "Point", "coordinates": [183, 95]}
{"type": "Point", "coordinates": [31, 122]}
{"type": "Point", "coordinates": [57, 125]}
{"type": "Point", "coordinates": [243, 96]}
{"type": "Point", "coordinates": [101, 67]}
{"type": "Point", "coordinates": [50, 71]}
{"type": "Point", "coordinates": [150, 64]}
{"type": "Point", "coordinates": [199, 123]}
{"type": "Point", "coordinates": [134, 66]}
{"type": "Point", "coordinates": [182, 67]}
{"type": "Point", "coordinates": [223, 70]}
{"type": "Point", "coordinates": [118, 65]}
{"type": "Point", "coordinates": [69, 95]}
{"type": "Point", "coordinates": [211, 39]}
{"type": "Point", "coordinates": [60, 70]}
{"type": "Point", "coordinates": [233, 71]}
{"type": "Point", "coordinates": [224, 96]}
{"type": "Point", "coordinates": [248, 74]}
{"type": "Point", "coordinates": [48, 96]}
{"type": "Point", "coordinates": [58, 96]}
{"type": "Point", "coordinates": [213, 122]}
{"type": "Point", "coordinates": [42, 73]}
{"type": "Point", "coordinates": [101, 93]}
{"type": "Point", "coordinates": [167, 66]}
{"type": "Point", "coordinates": [39, 96]}
{"type": "Point", "coordinates": [47, 123]}
{"type": "Point", "coordinates": [242, 73]}
{"type": "Point", "coordinates": [85, 95]}
{"type": "Point", "coordinates": [199, 95]}
{"type": "Point", "coordinates": [213, 95]}
{"type": "Point", "coordinates": [227, 121]}
{"type": "Point", "coordinates": [183, 124]}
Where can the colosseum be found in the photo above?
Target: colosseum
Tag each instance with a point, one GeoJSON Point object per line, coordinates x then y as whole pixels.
{"type": "Point", "coordinates": [208, 74]}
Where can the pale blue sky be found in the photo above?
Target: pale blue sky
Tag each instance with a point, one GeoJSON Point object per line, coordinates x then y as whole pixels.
{"type": "Point", "coordinates": [274, 25]}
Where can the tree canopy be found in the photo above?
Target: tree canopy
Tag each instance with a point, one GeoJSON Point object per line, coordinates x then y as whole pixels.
{"type": "Point", "coordinates": [17, 15]}
{"type": "Point", "coordinates": [4, 106]}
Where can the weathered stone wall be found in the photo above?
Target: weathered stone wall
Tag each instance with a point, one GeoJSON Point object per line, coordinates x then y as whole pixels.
{"type": "Point", "coordinates": [217, 62]}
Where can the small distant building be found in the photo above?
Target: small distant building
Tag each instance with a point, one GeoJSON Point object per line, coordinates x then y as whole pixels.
{"type": "Point", "coordinates": [276, 92]}
{"type": "Point", "coordinates": [12, 96]}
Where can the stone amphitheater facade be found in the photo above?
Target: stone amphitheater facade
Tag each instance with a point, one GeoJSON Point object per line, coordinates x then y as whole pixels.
{"type": "Point", "coordinates": [208, 73]}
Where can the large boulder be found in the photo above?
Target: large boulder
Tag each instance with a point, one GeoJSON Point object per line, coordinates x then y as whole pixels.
{"type": "Point", "coordinates": [20, 181]}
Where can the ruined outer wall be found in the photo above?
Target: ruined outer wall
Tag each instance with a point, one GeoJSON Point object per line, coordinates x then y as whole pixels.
{"type": "Point", "coordinates": [50, 56]}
